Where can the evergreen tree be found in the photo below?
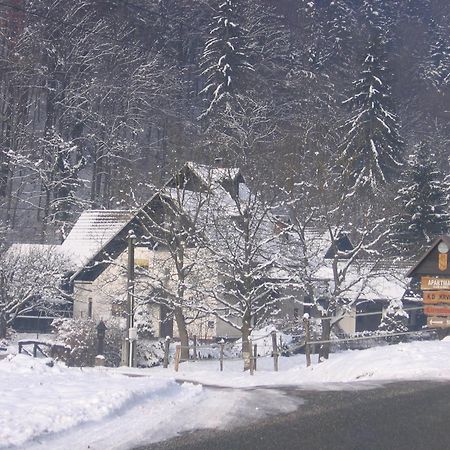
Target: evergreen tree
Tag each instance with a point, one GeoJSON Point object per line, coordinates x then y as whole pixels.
{"type": "Point", "coordinates": [424, 204]}
{"type": "Point", "coordinates": [330, 26]}
{"type": "Point", "coordinates": [437, 65]}
{"type": "Point", "coordinates": [224, 58]}
{"type": "Point", "coordinates": [394, 320]}
{"type": "Point", "coordinates": [371, 151]}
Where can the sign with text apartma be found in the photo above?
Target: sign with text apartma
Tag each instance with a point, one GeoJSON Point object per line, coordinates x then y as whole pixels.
{"type": "Point", "coordinates": [434, 284]}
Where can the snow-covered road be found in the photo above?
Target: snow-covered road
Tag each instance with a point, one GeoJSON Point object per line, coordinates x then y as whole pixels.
{"type": "Point", "coordinates": [44, 407]}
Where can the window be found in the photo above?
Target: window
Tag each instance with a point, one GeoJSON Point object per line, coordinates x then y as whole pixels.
{"type": "Point", "coordinates": [90, 308]}
{"type": "Point", "coordinates": [141, 262]}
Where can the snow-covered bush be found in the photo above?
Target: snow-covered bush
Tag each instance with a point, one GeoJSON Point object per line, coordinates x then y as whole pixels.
{"type": "Point", "coordinates": [394, 321]}
{"type": "Point", "coordinates": [114, 337]}
{"type": "Point", "coordinates": [142, 321]}
{"type": "Point", "coordinates": [149, 352]}
{"type": "Point", "coordinates": [81, 336]}
{"type": "Point", "coordinates": [3, 344]}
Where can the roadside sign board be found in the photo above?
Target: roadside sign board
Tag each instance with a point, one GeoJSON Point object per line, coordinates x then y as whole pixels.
{"type": "Point", "coordinates": [437, 310]}
{"type": "Point", "coordinates": [436, 297]}
{"type": "Point", "coordinates": [438, 322]}
{"type": "Point", "coordinates": [434, 284]}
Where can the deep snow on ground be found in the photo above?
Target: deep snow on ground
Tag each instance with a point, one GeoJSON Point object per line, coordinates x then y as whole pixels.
{"type": "Point", "coordinates": [405, 361]}
{"type": "Point", "coordinates": [37, 400]}
{"type": "Point", "coordinates": [44, 407]}
{"type": "Point", "coordinates": [58, 407]}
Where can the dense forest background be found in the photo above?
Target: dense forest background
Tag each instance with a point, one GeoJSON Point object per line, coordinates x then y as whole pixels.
{"type": "Point", "coordinates": [101, 99]}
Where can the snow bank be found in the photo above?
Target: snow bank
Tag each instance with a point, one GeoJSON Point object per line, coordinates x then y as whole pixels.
{"type": "Point", "coordinates": [405, 361]}
{"type": "Point", "coordinates": [37, 399]}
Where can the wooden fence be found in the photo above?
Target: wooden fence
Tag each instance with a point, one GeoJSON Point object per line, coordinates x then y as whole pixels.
{"type": "Point", "coordinates": [54, 349]}
{"type": "Point", "coordinates": [194, 348]}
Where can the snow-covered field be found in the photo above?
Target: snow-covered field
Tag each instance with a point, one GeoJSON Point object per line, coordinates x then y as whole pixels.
{"type": "Point", "coordinates": [58, 407]}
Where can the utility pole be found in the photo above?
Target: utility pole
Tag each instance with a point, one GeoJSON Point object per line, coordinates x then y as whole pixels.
{"type": "Point", "coordinates": [131, 330]}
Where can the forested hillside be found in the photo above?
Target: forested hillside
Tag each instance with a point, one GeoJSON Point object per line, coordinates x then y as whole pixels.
{"type": "Point", "coordinates": [327, 102]}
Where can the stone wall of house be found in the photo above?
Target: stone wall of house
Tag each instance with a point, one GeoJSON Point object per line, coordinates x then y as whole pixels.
{"type": "Point", "coordinates": [107, 294]}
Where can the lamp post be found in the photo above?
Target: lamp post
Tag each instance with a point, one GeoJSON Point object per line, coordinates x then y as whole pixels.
{"type": "Point", "coordinates": [101, 331]}
{"type": "Point", "coordinates": [131, 338]}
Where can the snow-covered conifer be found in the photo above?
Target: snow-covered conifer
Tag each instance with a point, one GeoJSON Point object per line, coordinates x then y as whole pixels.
{"type": "Point", "coordinates": [371, 151]}
{"type": "Point", "coordinates": [224, 58]}
{"type": "Point", "coordinates": [394, 320]}
{"type": "Point", "coordinates": [436, 67]}
{"type": "Point", "coordinates": [424, 204]}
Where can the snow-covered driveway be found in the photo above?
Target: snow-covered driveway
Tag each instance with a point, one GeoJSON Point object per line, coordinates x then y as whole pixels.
{"type": "Point", "coordinates": [58, 408]}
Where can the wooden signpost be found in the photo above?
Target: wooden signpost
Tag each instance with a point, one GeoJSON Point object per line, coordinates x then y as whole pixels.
{"type": "Point", "coordinates": [436, 297]}
{"type": "Point", "coordinates": [438, 322]}
{"type": "Point", "coordinates": [434, 272]}
{"type": "Point", "coordinates": [437, 310]}
{"type": "Point", "coordinates": [434, 284]}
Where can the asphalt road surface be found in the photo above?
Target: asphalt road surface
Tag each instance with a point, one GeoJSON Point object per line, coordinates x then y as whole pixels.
{"type": "Point", "coordinates": [397, 416]}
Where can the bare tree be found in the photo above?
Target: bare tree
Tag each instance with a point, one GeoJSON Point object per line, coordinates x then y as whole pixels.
{"type": "Point", "coordinates": [336, 251]}
{"type": "Point", "coordinates": [175, 222]}
{"type": "Point", "coordinates": [245, 243]}
{"type": "Point", "coordinates": [31, 278]}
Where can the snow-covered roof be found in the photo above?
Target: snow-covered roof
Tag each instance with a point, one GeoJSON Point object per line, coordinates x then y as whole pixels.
{"type": "Point", "coordinates": [210, 174]}
{"type": "Point", "coordinates": [369, 280]}
{"type": "Point", "coordinates": [190, 201]}
{"type": "Point", "coordinates": [25, 250]}
{"type": "Point", "coordinates": [42, 251]}
{"type": "Point", "coordinates": [213, 179]}
{"type": "Point", "coordinates": [92, 231]}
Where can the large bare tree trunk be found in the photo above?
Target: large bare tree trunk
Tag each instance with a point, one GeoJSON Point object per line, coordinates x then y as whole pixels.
{"type": "Point", "coordinates": [2, 325]}
{"type": "Point", "coordinates": [245, 331]}
{"type": "Point", "coordinates": [324, 351]}
{"type": "Point", "coordinates": [182, 331]}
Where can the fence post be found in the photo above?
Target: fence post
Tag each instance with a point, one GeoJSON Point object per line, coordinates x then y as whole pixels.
{"type": "Point", "coordinates": [222, 345]}
{"type": "Point", "coordinates": [255, 354]}
{"type": "Point", "coordinates": [251, 356]}
{"type": "Point", "coordinates": [195, 346]}
{"type": "Point", "coordinates": [177, 357]}
{"type": "Point", "coordinates": [306, 325]}
{"type": "Point", "coordinates": [166, 352]}
{"type": "Point", "coordinates": [274, 350]}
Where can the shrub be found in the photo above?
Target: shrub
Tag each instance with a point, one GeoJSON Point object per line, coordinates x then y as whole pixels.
{"type": "Point", "coordinates": [81, 336]}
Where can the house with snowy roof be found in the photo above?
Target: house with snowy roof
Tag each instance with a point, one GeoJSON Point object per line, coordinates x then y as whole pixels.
{"type": "Point", "coordinates": [97, 248]}
{"type": "Point", "coordinates": [367, 285]}
{"type": "Point", "coordinates": [99, 245]}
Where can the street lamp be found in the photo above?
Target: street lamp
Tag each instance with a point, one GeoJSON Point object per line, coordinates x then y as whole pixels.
{"type": "Point", "coordinates": [101, 332]}
{"type": "Point", "coordinates": [132, 335]}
